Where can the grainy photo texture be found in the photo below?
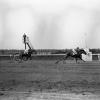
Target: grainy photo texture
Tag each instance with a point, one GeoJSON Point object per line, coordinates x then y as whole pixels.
{"type": "Point", "coordinates": [49, 50]}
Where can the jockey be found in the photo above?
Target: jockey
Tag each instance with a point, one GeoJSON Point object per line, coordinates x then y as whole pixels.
{"type": "Point", "coordinates": [75, 51]}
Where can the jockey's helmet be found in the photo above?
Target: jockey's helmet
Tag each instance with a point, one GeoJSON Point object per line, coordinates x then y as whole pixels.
{"type": "Point", "coordinates": [77, 48]}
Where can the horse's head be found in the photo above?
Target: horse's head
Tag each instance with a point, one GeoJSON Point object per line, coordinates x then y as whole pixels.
{"type": "Point", "coordinates": [82, 51]}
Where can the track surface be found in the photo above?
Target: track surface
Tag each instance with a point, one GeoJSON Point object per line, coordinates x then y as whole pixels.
{"type": "Point", "coordinates": [46, 76]}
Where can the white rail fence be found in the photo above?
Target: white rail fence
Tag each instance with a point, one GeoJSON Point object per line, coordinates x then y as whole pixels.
{"type": "Point", "coordinates": [91, 57]}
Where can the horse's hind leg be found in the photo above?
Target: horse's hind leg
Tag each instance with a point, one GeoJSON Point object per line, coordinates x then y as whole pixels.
{"type": "Point", "coordinates": [65, 58]}
{"type": "Point", "coordinates": [58, 61]}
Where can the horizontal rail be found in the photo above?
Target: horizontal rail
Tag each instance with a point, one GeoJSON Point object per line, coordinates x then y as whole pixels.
{"type": "Point", "coordinates": [39, 54]}
{"type": "Point", "coordinates": [45, 54]}
{"type": "Point", "coordinates": [50, 56]}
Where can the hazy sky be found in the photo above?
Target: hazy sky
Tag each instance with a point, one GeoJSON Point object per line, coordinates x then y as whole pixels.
{"type": "Point", "coordinates": [50, 24]}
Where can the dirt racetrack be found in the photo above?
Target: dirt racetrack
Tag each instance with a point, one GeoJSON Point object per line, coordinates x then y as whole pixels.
{"type": "Point", "coordinates": [45, 80]}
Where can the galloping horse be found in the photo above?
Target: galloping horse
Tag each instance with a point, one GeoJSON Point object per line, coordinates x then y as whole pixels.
{"type": "Point", "coordinates": [76, 56]}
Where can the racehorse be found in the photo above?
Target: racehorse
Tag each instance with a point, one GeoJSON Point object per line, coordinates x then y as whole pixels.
{"type": "Point", "coordinates": [25, 56]}
{"type": "Point", "coordinates": [70, 53]}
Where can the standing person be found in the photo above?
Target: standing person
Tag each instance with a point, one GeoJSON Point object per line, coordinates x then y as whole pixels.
{"type": "Point", "coordinates": [24, 39]}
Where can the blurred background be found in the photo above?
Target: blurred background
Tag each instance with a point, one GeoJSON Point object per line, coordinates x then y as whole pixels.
{"type": "Point", "coordinates": [50, 24]}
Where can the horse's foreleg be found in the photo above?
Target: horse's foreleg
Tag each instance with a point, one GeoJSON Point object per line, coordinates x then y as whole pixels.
{"type": "Point", "coordinates": [82, 59]}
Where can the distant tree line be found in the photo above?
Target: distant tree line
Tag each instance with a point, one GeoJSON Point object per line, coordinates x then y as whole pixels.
{"type": "Point", "coordinates": [44, 51]}
{"type": "Point", "coordinates": [95, 51]}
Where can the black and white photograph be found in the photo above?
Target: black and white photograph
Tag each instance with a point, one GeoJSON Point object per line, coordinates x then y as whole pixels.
{"type": "Point", "coordinates": [49, 50]}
